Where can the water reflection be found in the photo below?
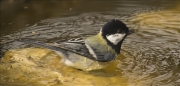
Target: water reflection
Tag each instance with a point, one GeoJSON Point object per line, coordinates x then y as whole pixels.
{"type": "Point", "coordinates": [149, 57]}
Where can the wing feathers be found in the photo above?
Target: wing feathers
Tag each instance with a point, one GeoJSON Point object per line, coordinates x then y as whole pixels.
{"type": "Point", "coordinates": [77, 46]}
{"type": "Point", "coordinates": [91, 51]}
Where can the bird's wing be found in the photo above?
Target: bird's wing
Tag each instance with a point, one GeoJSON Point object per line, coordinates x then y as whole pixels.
{"type": "Point", "coordinates": [102, 56]}
{"type": "Point", "coordinates": [77, 46]}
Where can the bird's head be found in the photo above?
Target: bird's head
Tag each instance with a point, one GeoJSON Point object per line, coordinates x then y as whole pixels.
{"type": "Point", "coordinates": [114, 32]}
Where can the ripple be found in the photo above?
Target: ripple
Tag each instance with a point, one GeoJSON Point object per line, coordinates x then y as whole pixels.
{"type": "Point", "coordinates": [153, 51]}
{"type": "Point", "coordinates": [160, 19]}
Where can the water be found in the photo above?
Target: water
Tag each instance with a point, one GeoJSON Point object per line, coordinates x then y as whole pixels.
{"type": "Point", "coordinates": [149, 57]}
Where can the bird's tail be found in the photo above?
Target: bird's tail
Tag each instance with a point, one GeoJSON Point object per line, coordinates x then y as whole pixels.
{"type": "Point", "coordinates": [41, 44]}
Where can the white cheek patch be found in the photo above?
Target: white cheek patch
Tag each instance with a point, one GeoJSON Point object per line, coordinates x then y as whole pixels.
{"type": "Point", "coordinates": [115, 38]}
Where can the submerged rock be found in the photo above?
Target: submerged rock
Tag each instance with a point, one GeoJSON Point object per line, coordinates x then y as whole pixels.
{"type": "Point", "coordinates": [37, 66]}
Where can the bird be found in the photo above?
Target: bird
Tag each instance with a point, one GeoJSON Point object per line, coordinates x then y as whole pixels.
{"type": "Point", "coordinates": [90, 53]}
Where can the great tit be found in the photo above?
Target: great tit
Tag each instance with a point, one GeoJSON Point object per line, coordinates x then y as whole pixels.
{"type": "Point", "coordinates": [93, 52]}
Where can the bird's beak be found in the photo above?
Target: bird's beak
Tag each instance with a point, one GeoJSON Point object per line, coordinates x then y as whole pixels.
{"type": "Point", "coordinates": [130, 32]}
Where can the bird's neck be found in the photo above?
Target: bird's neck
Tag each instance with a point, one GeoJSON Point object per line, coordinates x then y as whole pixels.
{"type": "Point", "coordinates": [116, 47]}
{"type": "Point", "coordinates": [110, 47]}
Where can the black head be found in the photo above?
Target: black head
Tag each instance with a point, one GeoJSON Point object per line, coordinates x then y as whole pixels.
{"type": "Point", "coordinates": [114, 32]}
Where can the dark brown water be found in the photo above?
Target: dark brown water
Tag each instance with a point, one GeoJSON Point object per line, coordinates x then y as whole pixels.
{"type": "Point", "coordinates": [149, 57]}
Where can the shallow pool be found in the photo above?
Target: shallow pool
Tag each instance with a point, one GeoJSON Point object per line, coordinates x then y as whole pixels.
{"type": "Point", "coordinates": [149, 57]}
